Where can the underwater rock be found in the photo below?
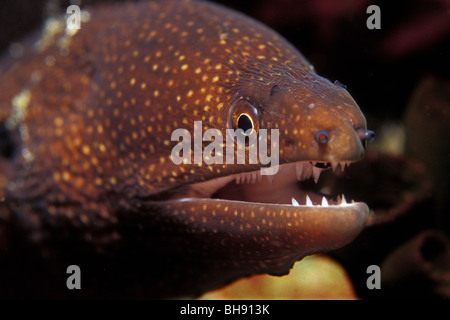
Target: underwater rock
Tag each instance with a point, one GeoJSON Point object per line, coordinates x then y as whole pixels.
{"type": "Point", "coordinates": [398, 191]}
{"type": "Point", "coordinates": [427, 120]}
{"type": "Point", "coordinates": [419, 268]}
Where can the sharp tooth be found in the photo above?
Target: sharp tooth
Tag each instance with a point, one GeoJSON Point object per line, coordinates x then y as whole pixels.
{"type": "Point", "coordinates": [308, 201]}
{"type": "Point", "coordinates": [307, 171]}
{"type": "Point", "coordinates": [324, 202]}
{"type": "Point", "coordinates": [238, 179]}
{"type": "Point", "coordinates": [254, 177]}
{"type": "Point", "coordinates": [316, 173]}
{"type": "Point", "coordinates": [259, 176]}
{"type": "Point", "coordinates": [294, 202]}
{"type": "Point", "coordinates": [334, 165]}
{"type": "Point", "coordinates": [299, 170]}
{"type": "Point", "coordinates": [270, 178]}
{"type": "Point", "coordinates": [344, 201]}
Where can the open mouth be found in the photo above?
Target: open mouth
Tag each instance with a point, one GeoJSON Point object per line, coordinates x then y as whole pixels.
{"type": "Point", "coordinates": [293, 185]}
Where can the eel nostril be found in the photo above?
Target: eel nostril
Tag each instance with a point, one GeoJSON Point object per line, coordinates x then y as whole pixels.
{"type": "Point", "coordinates": [366, 135]}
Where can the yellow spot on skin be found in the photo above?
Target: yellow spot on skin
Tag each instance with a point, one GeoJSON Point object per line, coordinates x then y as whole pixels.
{"type": "Point", "coordinates": [56, 176]}
{"type": "Point", "coordinates": [59, 122]}
{"type": "Point", "coordinates": [66, 176]}
{"type": "Point", "coordinates": [86, 150]}
{"type": "Point", "coordinates": [184, 67]}
{"type": "Point", "coordinates": [132, 81]}
{"type": "Point", "coordinates": [94, 161]}
{"type": "Point", "coordinates": [104, 213]}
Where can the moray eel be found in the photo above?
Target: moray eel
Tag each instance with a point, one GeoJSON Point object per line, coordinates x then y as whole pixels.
{"type": "Point", "coordinates": [89, 178]}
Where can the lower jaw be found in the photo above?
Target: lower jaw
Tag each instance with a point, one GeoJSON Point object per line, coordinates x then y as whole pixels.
{"type": "Point", "coordinates": [260, 215]}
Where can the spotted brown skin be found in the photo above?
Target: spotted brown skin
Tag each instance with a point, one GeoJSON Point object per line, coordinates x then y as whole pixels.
{"type": "Point", "coordinates": [92, 175]}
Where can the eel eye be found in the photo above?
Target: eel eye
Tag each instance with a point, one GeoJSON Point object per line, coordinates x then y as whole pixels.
{"type": "Point", "coordinates": [245, 123]}
{"type": "Point", "coordinates": [322, 136]}
{"type": "Point", "coordinates": [244, 119]}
